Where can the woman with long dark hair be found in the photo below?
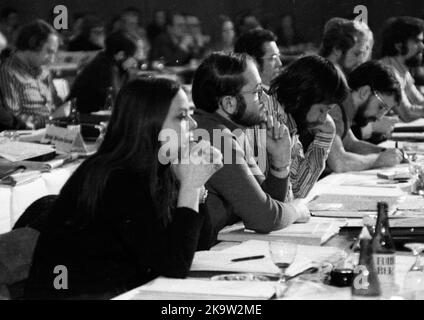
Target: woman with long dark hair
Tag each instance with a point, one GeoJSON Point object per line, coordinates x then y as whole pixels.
{"type": "Point", "coordinates": [130, 212]}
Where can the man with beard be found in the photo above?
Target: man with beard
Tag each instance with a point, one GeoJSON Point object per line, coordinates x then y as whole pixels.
{"type": "Point", "coordinates": [402, 48]}
{"type": "Point", "coordinates": [349, 44]}
{"type": "Point", "coordinates": [346, 43]}
{"type": "Point", "coordinates": [109, 69]}
{"type": "Point", "coordinates": [375, 90]}
{"type": "Point", "coordinates": [228, 94]}
{"type": "Point", "coordinates": [303, 94]}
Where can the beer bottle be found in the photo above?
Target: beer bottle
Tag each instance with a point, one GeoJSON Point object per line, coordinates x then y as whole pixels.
{"type": "Point", "coordinates": [384, 250]}
{"type": "Point", "coordinates": [74, 117]}
{"type": "Point", "coordinates": [365, 280]}
{"type": "Point", "coordinates": [109, 100]}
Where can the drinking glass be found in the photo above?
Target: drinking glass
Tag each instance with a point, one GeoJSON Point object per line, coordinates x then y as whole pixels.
{"type": "Point", "coordinates": [414, 280]}
{"type": "Point", "coordinates": [282, 255]}
{"type": "Point", "coordinates": [410, 149]}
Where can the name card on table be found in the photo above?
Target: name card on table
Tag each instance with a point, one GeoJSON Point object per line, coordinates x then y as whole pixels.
{"type": "Point", "coordinates": [65, 139]}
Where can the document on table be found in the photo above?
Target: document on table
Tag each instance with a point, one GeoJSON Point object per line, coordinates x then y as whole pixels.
{"type": "Point", "coordinates": [221, 260]}
{"type": "Point", "coordinates": [413, 126]}
{"type": "Point", "coordinates": [314, 232]}
{"type": "Point", "coordinates": [351, 202]}
{"type": "Point", "coordinates": [306, 257]}
{"type": "Point", "coordinates": [201, 288]}
{"type": "Point", "coordinates": [18, 151]}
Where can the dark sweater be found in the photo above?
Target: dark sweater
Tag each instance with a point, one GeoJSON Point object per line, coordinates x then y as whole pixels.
{"type": "Point", "coordinates": [125, 245]}
{"type": "Point", "coordinates": [91, 86]}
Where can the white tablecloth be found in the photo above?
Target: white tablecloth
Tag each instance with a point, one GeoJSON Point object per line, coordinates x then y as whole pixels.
{"type": "Point", "coordinates": [14, 200]}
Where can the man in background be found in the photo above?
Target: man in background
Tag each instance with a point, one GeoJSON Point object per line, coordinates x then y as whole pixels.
{"type": "Point", "coordinates": [25, 82]}
{"type": "Point", "coordinates": [402, 48]}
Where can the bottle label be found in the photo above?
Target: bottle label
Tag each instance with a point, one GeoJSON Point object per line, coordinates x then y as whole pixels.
{"type": "Point", "coordinates": [385, 267]}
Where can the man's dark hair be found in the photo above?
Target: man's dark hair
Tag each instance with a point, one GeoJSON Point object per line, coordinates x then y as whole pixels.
{"type": "Point", "coordinates": [34, 35]}
{"type": "Point", "coordinates": [378, 76]}
{"type": "Point", "coordinates": [120, 41]}
{"type": "Point", "coordinates": [131, 10]}
{"type": "Point", "coordinates": [252, 41]}
{"type": "Point", "coordinates": [219, 75]}
{"type": "Point", "coordinates": [399, 30]}
{"type": "Point", "coordinates": [307, 81]}
{"type": "Point", "coordinates": [341, 34]}
{"type": "Point", "coordinates": [170, 18]}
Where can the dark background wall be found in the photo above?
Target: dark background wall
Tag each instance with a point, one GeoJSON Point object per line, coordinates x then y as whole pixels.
{"type": "Point", "coordinates": [310, 14]}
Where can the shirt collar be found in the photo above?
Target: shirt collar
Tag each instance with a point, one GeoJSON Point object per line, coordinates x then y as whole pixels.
{"type": "Point", "coordinates": [33, 71]}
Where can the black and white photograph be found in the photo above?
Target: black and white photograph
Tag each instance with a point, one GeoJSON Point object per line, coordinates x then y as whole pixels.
{"type": "Point", "coordinates": [212, 157]}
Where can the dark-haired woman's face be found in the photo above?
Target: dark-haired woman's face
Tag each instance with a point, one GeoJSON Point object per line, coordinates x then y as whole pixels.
{"type": "Point", "coordinates": [317, 114]}
{"type": "Point", "coordinates": [178, 127]}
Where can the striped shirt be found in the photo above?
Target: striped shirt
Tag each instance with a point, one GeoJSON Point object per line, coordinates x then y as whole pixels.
{"type": "Point", "coordinates": [27, 91]}
{"type": "Point", "coordinates": [306, 167]}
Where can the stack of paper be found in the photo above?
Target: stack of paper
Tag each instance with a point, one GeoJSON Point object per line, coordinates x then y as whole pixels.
{"type": "Point", "coordinates": [354, 202]}
{"type": "Point", "coordinates": [306, 257]}
{"type": "Point", "coordinates": [221, 260]}
{"type": "Point", "coordinates": [414, 126]}
{"type": "Point", "coordinates": [314, 232]}
{"type": "Point", "coordinates": [195, 289]}
{"type": "Point", "coordinates": [18, 151]}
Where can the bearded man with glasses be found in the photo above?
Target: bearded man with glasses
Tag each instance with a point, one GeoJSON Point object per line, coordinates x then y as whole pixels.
{"type": "Point", "coordinates": [374, 91]}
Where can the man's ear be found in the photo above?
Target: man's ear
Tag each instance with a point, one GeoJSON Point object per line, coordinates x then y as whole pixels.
{"type": "Point", "coordinates": [228, 104]}
{"type": "Point", "coordinates": [364, 93]}
{"type": "Point", "coordinates": [398, 47]}
{"type": "Point", "coordinates": [337, 53]}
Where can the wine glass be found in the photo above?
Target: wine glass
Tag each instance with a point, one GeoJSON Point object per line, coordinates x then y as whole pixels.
{"type": "Point", "coordinates": [414, 280]}
{"type": "Point", "coordinates": [410, 149]}
{"type": "Point", "coordinates": [282, 255]}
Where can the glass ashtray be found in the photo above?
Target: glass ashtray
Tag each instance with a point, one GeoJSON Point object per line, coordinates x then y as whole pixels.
{"type": "Point", "coordinates": [242, 277]}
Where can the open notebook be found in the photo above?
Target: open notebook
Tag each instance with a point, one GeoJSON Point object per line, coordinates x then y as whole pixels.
{"type": "Point", "coordinates": [315, 232]}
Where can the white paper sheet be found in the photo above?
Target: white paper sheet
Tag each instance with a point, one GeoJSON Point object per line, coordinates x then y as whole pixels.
{"type": "Point", "coordinates": [18, 151]}
{"type": "Point", "coordinates": [196, 288]}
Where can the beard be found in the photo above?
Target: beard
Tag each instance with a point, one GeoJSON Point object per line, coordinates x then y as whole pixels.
{"type": "Point", "coordinates": [360, 119]}
{"type": "Point", "coordinates": [244, 117]}
{"type": "Point", "coordinates": [415, 61]}
{"type": "Point", "coordinates": [342, 64]}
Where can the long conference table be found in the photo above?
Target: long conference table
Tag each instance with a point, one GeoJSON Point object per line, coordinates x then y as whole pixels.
{"type": "Point", "coordinates": [14, 201]}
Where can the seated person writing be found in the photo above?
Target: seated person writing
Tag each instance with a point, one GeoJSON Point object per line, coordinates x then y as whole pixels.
{"type": "Point", "coordinates": [374, 91]}
{"type": "Point", "coordinates": [130, 212]}
{"type": "Point", "coordinates": [228, 95]}
{"type": "Point", "coordinates": [25, 83]}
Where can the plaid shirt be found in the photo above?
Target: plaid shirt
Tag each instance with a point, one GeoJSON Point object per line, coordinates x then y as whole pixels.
{"type": "Point", "coordinates": [27, 91]}
{"type": "Point", "coordinates": [306, 166]}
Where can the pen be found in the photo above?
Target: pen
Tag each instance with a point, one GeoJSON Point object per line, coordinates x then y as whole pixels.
{"type": "Point", "coordinates": [247, 258]}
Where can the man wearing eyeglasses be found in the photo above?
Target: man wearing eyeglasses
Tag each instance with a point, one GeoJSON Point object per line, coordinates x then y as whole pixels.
{"type": "Point", "coordinates": [374, 91]}
{"type": "Point", "coordinates": [403, 45]}
{"type": "Point", "coordinates": [228, 95]}
{"type": "Point", "coordinates": [261, 45]}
